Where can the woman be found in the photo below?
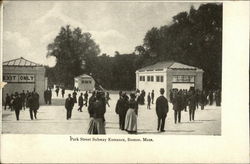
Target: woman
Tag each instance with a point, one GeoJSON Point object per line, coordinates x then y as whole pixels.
{"type": "Point", "coordinates": [131, 116]}
{"type": "Point", "coordinates": [97, 123]}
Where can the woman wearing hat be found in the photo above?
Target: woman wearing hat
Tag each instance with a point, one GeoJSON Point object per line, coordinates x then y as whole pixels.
{"type": "Point", "coordinates": [131, 116]}
{"type": "Point", "coordinates": [97, 123]}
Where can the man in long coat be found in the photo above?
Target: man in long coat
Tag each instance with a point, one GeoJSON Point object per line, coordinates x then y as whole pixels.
{"type": "Point", "coordinates": [80, 103]}
{"type": "Point", "coordinates": [17, 105]}
{"type": "Point", "coordinates": [121, 110]}
{"type": "Point", "coordinates": [69, 104]}
{"type": "Point", "coordinates": [192, 106]}
{"type": "Point", "coordinates": [161, 110]}
{"type": "Point", "coordinates": [177, 106]}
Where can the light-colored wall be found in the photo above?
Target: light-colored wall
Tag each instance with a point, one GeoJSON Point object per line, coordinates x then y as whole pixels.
{"type": "Point", "coordinates": [84, 86]}
{"type": "Point", "coordinates": [39, 85]}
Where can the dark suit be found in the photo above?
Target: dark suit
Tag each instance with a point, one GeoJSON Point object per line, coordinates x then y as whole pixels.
{"type": "Point", "coordinates": [121, 110]}
{"type": "Point", "coordinates": [80, 103]}
{"type": "Point", "coordinates": [192, 107]}
{"type": "Point", "coordinates": [177, 107]}
{"type": "Point", "coordinates": [161, 111]}
{"type": "Point", "coordinates": [17, 105]}
{"type": "Point", "coordinates": [69, 104]}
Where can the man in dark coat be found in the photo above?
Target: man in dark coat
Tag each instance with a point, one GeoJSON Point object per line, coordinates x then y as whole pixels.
{"type": "Point", "coordinates": [45, 95]}
{"type": "Point", "coordinates": [177, 106]}
{"type": "Point", "coordinates": [7, 101]}
{"type": "Point", "coordinates": [218, 97]}
{"type": "Point", "coordinates": [69, 104]}
{"type": "Point", "coordinates": [63, 92]}
{"type": "Point", "coordinates": [91, 101]}
{"type": "Point", "coordinates": [192, 106]}
{"type": "Point", "coordinates": [211, 98]}
{"type": "Point", "coordinates": [23, 97]}
{"type": "Point", "coordinates": [152, 96]}
{"type": "Point", "coordinates": [17, 105]}
{"type": "Point", "coordinates": [149, 100]}
{"type": "Point", "coordinates": [86, 96]}
{"type": "Point", "coordinates": [161, 110]}
{"type": "Point", "coordinates": [121, 109]}
{"type": "Point", "coordinates": [74, 96]}
{"type": "Point", "coordinates": [49, 96]}
{"type": "Point", "coordinates": [34, 104]}
{"type": "Point", "coordinates": [80, 103]}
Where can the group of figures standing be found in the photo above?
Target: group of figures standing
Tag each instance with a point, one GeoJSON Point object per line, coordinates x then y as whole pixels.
{"type": "Point", "coordinates": [19, 101]}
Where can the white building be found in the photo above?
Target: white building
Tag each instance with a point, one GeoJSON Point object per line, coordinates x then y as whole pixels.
{"type": "Point", "coordinates": [84, 82]}
{"type": "Point", "coordinates": [168, 75]}
{"type": "Point", "coordinates": [21, 74]}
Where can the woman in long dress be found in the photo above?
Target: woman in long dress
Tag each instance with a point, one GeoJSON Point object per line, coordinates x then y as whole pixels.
{"type": "Point", "coordinates": [97, 122]}
{"type": "Point", "coordinates": [131, 116]}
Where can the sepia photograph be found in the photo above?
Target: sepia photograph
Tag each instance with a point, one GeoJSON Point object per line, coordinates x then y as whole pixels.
{"type": "Point", "coordinates": [130, 68]}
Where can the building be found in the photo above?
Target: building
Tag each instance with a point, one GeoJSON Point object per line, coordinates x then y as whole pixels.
{"type": "Point", "coordinates": [84, 83]}
{"type": "Point", "coordinates": [21, 74]}
{"type": "Point", "coordinates": [168, 75]}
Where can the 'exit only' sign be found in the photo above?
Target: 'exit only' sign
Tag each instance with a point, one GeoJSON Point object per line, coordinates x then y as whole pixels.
{"type": "Point", "coordinates": [19, 78]}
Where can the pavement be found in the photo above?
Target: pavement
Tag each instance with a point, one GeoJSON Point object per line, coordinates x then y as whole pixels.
{"type": "Point", "coordinates": [52, 120]}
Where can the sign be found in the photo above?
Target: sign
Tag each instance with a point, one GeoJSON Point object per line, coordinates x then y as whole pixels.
{"type": "Point", "coordinates": [19, 78]}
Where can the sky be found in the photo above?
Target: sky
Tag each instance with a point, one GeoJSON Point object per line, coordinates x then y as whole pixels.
{"type": "Point", "coordinates": [29, 26]}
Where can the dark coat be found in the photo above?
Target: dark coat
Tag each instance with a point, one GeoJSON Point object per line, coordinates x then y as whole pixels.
{"type": "Point", "coordinates": [192, 102]}
{"type": "Point", "coordinates": [98, 108]}
{"type": "Point", "coordinates": [36, 104]}
{"type": "Point", "coordinates": [17, 103]}
{"type": "Point", "coordinates": [178, 103]}
{"type": "Point", "coordinates": [69, 103]}
{"type": "Point", "coordinates": [161, 106]}
{"type": "Point", "coordinates": [80, 101]}
{"type": "Point", "coordinates": [121, 106]}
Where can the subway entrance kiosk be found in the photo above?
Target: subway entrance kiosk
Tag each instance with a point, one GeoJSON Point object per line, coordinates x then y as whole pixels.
{"type": "Point", "coordinates": [21, 74]}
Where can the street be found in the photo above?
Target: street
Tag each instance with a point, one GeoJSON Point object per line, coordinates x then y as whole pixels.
{"type": "Point", "coordinates": [52, 120]}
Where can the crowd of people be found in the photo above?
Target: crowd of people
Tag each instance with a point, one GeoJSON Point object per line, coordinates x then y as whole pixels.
{"type": "Point", "coordinates": [18, 101]}
{"type": "Point", "coordinates": [126, 106]}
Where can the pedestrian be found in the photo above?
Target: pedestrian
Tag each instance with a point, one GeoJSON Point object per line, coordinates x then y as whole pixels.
{"type": "Point", "coordinates": [177, 106]}
{"type": "Point", "coordinates": [11, 101]}
{"type": "Point", "coordinates": [86, 96]}
{"type": "Point", "coordinates": [17, 105]}
{"type": "Point", "coordinates": [97, 124]}
{"type": "Point", "coordinates": [121, 109]}
{"type": "Point", "coordinates": [7, 101]}
{"type": "Point", "coordinates": [49, 96]}
{"type": "Point", "coordinates": [143, 97]}
{"type": "Point", "coordinates": [185, 100]}
{"type": "Point", "coordinates": [161, 110]}
{"type": "Point", "coordinates": [171, 95]}
{"type": "Point", "coordinates": [91, 101]}
{"type": "Point", "coordinates": [80, 103]}
{"type": "Point", "coordinates": [23, 98]}
{"type": "Point", "coordinates": [63, 92]}
{"type": "Point", "coordinates": [31, 105]}
{"type": "Point", "coordinates": [74, 96]}
{"type": "Point", "coordinates": [131, 116]}
{"type": "Point", "coordinates": [149, 101]}
{"type": "Point", "coordinates": [218, 97]}
{"type": "Point", "coordinates": [45, 95]}
{"type": "Point", "coordinates": [107, 98]}
{"type": "Point", "coordinates": [26, 98]}
{"type": "Point", "coordinates": [211, 97]}
{"type": "Point", "coordinates": [192, 106]}
{"type": "Point", "coordinates": [36, 103]}
{"type": "Point", "coordinates": [152, 96]}
{"type": "Point", "coordinates": [202, 99]}
{"type": "Point", "coordinates": [69, 104]}
{"type": "Point", "coordinates": [57, 91]}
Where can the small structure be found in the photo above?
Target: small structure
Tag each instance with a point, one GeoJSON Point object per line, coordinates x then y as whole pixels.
{"type": "Point", "coordinates": [168, 75]}
{"type": "Point", "coordinates": [21, 74]}
{"type": "Point", "coordinates": [84, 82]}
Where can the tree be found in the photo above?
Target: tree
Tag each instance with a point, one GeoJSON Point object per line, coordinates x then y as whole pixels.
{"type": "Point", "coordinates": [72, 49]}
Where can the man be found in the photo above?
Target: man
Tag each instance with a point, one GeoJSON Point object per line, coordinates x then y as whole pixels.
{"type": "Point", "coordinates": [177, 106]}
{"type": "Point", "coordinates": [63, 92]}
{"type": "Point", "coordinates": [218, 97]}
{"type": "Point", "coordinates": [152, 96]}
{"type": "Point", "coordinates": [149, 100]}
{"type": "Point", "coordinates": [7, 101]}
{"type": "Point", "coordinates": [192, 106]}
{"type": "Point", "coordinates": [211, 98]}
{"type": "Point", "coordinates": [86, 96]}
{"type": "Point", "coordinates": [91, 100]}
{"type": "Point", "coordinates": [161, 110]}
{"type": "Point", "coordinates": [17, 105]}
{"type": "Point", "coordinates": [69, 104]}
{"type": "Point", "coordinates": [23, 97]}
{"type": "Point", "coordinates": [57, 91]}
{"type": "Point", "coordinates": [121, 110]}
{"type": "Point", "coordinates": [34, 105]}
{"type": "Point", "coordinates": [74, 96]}
{"type": "Point", "coordinates": [49, 96]}
{"type": "Point", "coordinates": [45, 95]}
{"type": "Point", "coordinates": [80, 103]}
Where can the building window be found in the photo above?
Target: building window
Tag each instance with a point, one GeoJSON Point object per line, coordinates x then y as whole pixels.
{"type": "Point", "coordinates": [152, 78]}
{"type": "Point", "coordinates": [183, 79]}
{"type": "Point", "coordinates": [142, 78]}
{"type": "Point", "coordinates": [159, 78]}
{"type": "Point", "coordinates": [148, 78]}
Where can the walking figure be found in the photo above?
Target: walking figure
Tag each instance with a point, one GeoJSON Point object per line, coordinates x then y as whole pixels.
{"type": "Point", "coordinates": [149, 101]}
{"type": "Point", "coordinates": [80, 103]}
{"type": "Point", "coordinates": [161, 110]}
{"type": "Point", "coordinates": [69, 104]}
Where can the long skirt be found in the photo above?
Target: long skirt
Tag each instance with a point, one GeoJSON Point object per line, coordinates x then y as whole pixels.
{"type": "Point", "coordinates": [96, 126]}
{"type": "Point", "coordinates": [131, 121]}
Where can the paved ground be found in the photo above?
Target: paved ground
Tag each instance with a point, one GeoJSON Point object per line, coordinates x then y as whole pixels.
{"type": "Point", "coordinates": [52, 120]}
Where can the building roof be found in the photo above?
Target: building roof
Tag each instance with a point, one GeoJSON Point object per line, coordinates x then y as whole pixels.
{"type": "Point", "coordinates": [167, 65]}
{"type": "Point", "coordinates": [21, 62]}
{"type": "Point", "coordinates": [83, 76]}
